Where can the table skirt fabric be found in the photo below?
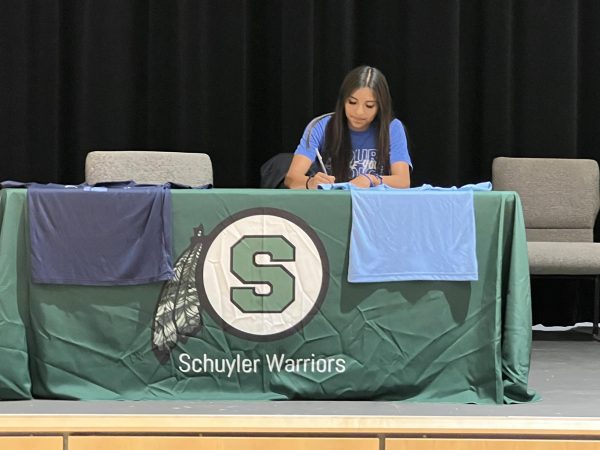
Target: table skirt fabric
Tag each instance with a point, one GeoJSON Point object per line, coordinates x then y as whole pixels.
{"type": "Point", "coordinates": [222, 330]}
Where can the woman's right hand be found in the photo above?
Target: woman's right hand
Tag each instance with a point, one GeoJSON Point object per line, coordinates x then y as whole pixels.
{"type": "Point", "coordinates": [319, 178]}
{"type": "Point", "coordinates": [296, 176]}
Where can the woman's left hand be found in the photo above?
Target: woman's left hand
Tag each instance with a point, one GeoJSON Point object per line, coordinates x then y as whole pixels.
{"type": "Point", "coordinates": [362, 181]}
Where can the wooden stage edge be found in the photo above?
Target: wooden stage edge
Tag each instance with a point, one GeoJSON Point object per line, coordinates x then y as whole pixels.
{"type": "Point", "coordinates": [297, 425]}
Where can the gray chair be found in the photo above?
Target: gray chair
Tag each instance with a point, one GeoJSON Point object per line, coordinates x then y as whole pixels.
{"type": "Point", "coordinates": [148, 167]}
{"type": "Point", "coordinates": [560, 198]}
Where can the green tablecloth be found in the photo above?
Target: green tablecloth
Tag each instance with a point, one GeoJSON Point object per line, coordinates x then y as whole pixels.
{"type": "Point", "coordinates": [415, 341]}
{"type": "Point", "coordinates": [15, 382]}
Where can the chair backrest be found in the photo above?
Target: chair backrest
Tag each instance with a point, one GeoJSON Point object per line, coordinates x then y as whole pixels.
{"type": "Point", "coordinates": [148, 167]}
{"type": "Point", "coordinates": [560, 197]}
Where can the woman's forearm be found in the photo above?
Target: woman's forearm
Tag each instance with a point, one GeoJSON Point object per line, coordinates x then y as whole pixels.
{"type": "Point", "coordinates": [397, 181]}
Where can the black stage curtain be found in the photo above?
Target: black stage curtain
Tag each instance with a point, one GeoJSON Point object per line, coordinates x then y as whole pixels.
{"type": "Point", "coordinates": [239, 80]}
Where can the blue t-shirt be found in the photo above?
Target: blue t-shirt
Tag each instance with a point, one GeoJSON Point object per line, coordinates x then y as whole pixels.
{"type": "Point", "coordinates": [364, 146]}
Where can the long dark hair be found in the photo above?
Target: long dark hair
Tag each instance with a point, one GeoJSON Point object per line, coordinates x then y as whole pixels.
{"type": "Point", "coordinates": [338, 146]}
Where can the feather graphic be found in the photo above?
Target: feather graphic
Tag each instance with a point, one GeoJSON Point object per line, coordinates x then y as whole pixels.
{"type": "Point", "coordinates": [178, 309]}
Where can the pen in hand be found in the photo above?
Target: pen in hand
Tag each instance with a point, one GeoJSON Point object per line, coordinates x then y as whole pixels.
{"type": "Point", "coordinates": [321, 161]}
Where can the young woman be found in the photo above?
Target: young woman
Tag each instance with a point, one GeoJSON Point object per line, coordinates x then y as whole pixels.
{"type": "Point", "coordinates": [361, 142]}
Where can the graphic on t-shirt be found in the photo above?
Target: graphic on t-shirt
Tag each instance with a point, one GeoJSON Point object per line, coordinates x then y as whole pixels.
{"type": "Point", "coordinates": [364, 160]}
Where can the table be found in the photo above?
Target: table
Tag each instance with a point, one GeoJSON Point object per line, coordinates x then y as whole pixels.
{"type": "Point", "coordinates": [422, 341]}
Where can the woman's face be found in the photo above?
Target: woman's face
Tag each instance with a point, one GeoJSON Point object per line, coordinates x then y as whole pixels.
{"type": "Point", "coordinates": [361, 108]}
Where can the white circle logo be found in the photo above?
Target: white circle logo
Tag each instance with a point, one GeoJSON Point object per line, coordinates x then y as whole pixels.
{"type": "Point", "coordinates": [264, 273]}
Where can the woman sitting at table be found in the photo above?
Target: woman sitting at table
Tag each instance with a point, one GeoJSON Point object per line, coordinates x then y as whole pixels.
{"type": "Point", "coordinates": [361, 142]}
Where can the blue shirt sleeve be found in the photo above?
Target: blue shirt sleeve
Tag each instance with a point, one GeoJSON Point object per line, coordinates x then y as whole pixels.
{"type": "Point", "coordinates": [398, 143]}
{"type": "Point", "coordinates": [308, 144]}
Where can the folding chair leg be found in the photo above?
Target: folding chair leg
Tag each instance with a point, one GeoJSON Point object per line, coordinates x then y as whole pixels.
{"type": "Point", "coordinates": [596, 306]}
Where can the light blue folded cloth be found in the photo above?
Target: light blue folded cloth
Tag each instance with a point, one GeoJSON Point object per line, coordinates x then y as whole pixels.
{"type": "Point", "coordinates": [349, 186]}
{"type": "Point", "coordinates": [422, 233]}
{"type": "Point", "coordinates": [483, 186]}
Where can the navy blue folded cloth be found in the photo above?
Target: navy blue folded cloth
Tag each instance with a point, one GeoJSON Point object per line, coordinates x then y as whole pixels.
{"type": "Point", "coordinates": [100, 235]}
